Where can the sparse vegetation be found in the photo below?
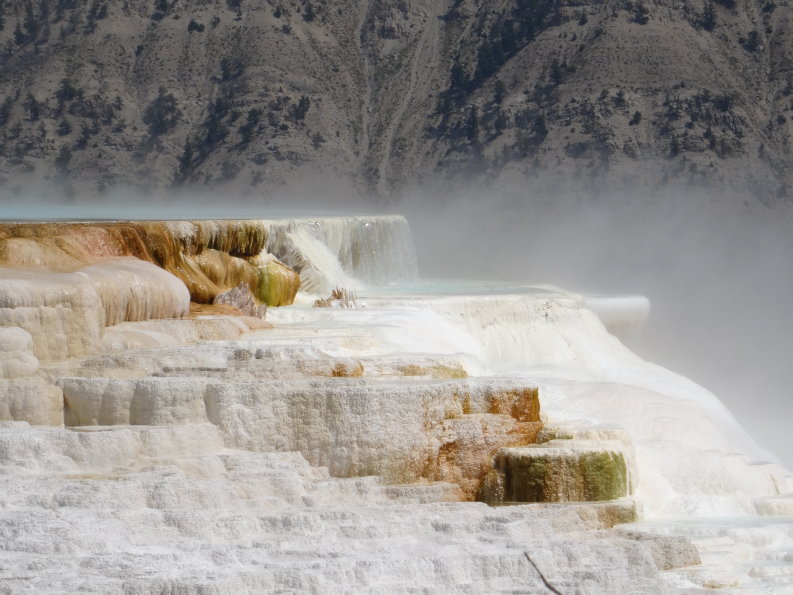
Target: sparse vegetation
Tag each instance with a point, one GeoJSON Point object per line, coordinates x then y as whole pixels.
{"type": "Point", "coordinates": [301, 109]}
{"type": "Point", "coordinates": [640, 13]}
{"type": "Point", "coordinates": [499, 90]}
{"type": "Point", "coordinates": [752, 41]}
{"type": "Point", "coordinates": [500, 122]}
{"type": "Point", "coordinates": [248, 129]}
{"type": "Point", "coordinates": [708, 20]}
{"type": "Point", "coordinates": [503, 40]}
{"type": "Point", "coordinates": [64, 128]}
{"type": "Point", "coordinates": [186, 161]}
{"type": "Point", "coordinates": [62, 161]}
{"type": "Point", "coordinates": [556, 71]}
{"type": "Point", "coordinates": [309, 13]}
{"type": "Point", "coordinates": [619, 100]}
{"type": "Point", "coordinates": [65, 93]}
{"type": "Point", "coordinates": [674, 146]}
{"type": "Point", "coordinates": [230, 69]}
{"type": "Point", "coordinates": [162, 114]}
{"type": "Point", "coordinates": [33, 107]}
{"type": "Point", "coordinates": [513, 93]}
{"type": "Point", "coordinates": [86, 132]}
{"type": "Point", "coordinates": [161, 9]}
{"type": "Point", "coordinates": [96, 12]}
{"type": "Point", "coordinates": [472, 124]}
{"type": "Point", "coordinates": [195, 26]}
{"type": "Point", "coordinates": [5, 110]}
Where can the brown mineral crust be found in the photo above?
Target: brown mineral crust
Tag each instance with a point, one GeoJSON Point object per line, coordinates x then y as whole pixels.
{"type": "Point", "coordinates": [468, 445]}
{"type": "Point", "coordinates": [434, 371]}
{"type": "Point", "coordinates": [468, 442]}
{"type": "Point", "coordinates": [209, 257]}
{"type": "Point", "coordinates": [522, 404]}
{"type": "Point", "coordinates": [197, 309]}
{"type": "Point", "coordinates": [352, 369]}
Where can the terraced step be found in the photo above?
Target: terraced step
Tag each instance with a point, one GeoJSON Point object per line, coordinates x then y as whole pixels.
{"type": "Point", "coordinates": [31, 402]}
{"type": "Point", "coordinates": [260, 358]}
{"type": "Point", "coordinates": [97, 449]}
{"type": "Point", "coordinates": [558, 471]}
{"type": "Point", "coordinates": [781, 505]}
{"type": "Point", "coordinates": [424, 493]}
{"type": "Point", "coordinates": [355, 427]}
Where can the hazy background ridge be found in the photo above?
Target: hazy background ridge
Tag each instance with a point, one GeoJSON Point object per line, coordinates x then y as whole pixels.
{"type": "Point", "coordinates": [378, 96]}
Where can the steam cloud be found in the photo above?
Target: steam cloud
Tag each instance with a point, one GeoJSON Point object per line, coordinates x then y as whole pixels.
{"type": "Point", "coordinates": [716, 268]}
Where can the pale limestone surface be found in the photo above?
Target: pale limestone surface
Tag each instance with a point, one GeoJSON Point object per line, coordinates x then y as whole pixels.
{"type": "Point", "coordinates": [65, 313]}
{"type": "Point", "coordinates": [16, 353]}
{"type": "Point", "coordinates": [32, 402]}
{"type": "Point", "coordinates": [331, 452]}
{"type": "Point", "coordinates": [178, 511]}
{"type": "Point", "coordinates": [354, 427]}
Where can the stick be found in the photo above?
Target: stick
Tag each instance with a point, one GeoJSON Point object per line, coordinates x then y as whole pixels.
{"type": "Point", "coordinates": [544, 580]}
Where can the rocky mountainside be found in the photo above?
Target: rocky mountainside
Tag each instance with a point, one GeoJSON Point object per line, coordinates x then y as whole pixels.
{"type": "Point", "coordinates": [377, 97]}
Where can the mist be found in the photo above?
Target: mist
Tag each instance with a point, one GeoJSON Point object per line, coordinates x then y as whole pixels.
{"type": "Point", "coordinates": [716, 269]}
{"type": "Point", "coordinates": [131, 204]}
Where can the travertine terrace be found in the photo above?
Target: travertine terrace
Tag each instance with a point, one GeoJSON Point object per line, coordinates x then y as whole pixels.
{"type": "Point", "coordinates": [156, 438]}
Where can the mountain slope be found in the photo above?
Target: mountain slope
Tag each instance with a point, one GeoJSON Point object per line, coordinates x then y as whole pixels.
{"type": "Point", "coordinates": [378, 97]}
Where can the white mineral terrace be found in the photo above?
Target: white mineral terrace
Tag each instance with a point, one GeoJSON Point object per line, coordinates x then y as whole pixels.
{"type": "Point", "coordinates": [345, 448]}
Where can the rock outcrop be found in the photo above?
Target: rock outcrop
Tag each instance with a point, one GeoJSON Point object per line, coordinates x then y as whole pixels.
{"type": "Point", "coordinates": [241, 298]}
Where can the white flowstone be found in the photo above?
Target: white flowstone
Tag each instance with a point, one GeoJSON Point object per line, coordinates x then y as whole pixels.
{"type": "Point", "coordinates": [199, 455]}
{"type": "Point", "coordinates": [202, 517]}
{"type": "Point", "coordinates": [351, 426]}
{"type": "Point", "coordinates": [32, 402]}
{"type": "Point", "coordinates": [344, 252]}
{"type": "Point", "coordinates": [16, 353]}
{"type": "Point", "coordinates": [66, 312]}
